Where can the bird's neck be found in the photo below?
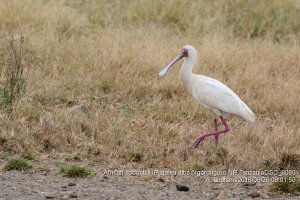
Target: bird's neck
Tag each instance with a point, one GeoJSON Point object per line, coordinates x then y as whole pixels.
{"type": "Point", "coordinates": [187, 72]}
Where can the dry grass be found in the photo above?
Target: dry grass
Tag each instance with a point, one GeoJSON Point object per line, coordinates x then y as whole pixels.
{"type": "Point", "coordinates": [107, 55]}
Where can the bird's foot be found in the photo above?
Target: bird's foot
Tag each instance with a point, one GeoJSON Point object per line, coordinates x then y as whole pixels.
{"type": "Point", "coordinates": [198, 141]}
{"type": "Point", "coordinates": [202, 137]}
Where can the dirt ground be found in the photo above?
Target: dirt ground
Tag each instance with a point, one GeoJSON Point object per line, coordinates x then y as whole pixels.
{"type": "Point", "coordinates": [44, 182]}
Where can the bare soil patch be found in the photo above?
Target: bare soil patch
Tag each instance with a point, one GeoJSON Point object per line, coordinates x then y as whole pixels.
{"type": "Point", "coordinates": [44, 182]}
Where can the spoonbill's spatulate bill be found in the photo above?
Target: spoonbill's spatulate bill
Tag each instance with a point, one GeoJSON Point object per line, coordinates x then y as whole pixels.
{"type": "Point", "coordinates": [210, 93]}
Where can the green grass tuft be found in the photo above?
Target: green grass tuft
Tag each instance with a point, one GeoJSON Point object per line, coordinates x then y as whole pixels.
{"type": "Point", "coordinates": [3, 155]}
{"type": "Point", "coordinates": [75, 171]}
{"type": "Point", "coordinates": [17, 164]}
{"type": "Point", "coordinates": [193, 166]}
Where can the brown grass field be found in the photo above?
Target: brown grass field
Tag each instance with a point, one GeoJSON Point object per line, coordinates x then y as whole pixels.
{"type": "Point", "coordinates": [107, 55]}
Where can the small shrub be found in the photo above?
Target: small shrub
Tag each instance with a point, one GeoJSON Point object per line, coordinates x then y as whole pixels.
{"type": "Point", "coordinates": [75, 171]}
{"type": "Point", "coordinates": [17, 164]}
{"type": "Point", "coordinates": [13, 66]}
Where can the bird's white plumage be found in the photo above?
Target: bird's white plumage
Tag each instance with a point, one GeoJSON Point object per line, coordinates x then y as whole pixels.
{"type": "Point", "coordinates": [218, 97]}
{"type": "Point", "coordinates": [209, 92]}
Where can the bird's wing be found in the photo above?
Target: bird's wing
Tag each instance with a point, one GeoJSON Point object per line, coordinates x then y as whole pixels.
{"type": "Point", "coordinates": [215, 95]}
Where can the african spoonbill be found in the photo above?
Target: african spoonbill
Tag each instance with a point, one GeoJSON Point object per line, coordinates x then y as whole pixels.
{"type": "Point", "coordinates": [210, 93]}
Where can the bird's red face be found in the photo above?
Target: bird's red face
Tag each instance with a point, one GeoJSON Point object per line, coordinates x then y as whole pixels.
{"type": "Point", "coordinates": [185, 53]}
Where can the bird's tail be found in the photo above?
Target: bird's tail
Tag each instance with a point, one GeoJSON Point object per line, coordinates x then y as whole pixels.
{"type": "Point", "coordinates": [248, 115]}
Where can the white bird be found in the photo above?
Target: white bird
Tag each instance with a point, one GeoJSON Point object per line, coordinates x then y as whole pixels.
{"type": "Point", "coordinates": [210, 93]}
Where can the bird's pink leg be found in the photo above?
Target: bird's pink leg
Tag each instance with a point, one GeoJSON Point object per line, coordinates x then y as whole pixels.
{"type": "Point", "coordinates": [216, 123]}
{"type": "Point", "coordinates": [215, 133]}
{"type": "Point", "coordinates": [216, 129]}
